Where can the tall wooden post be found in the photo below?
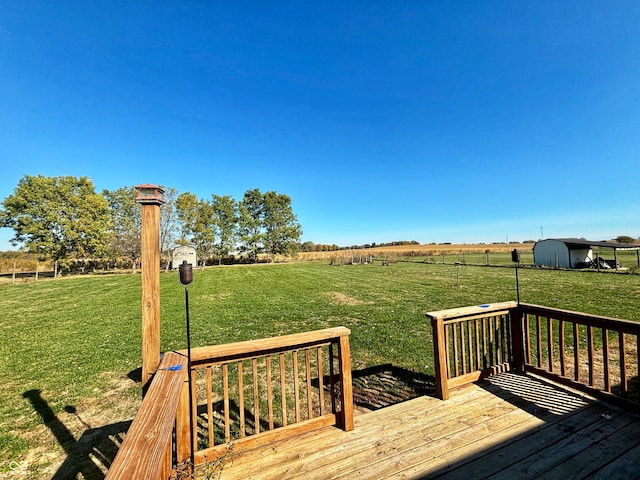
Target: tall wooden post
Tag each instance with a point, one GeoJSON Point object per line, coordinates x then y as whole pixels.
{"type": "Point", "coordinates": [151, 197]}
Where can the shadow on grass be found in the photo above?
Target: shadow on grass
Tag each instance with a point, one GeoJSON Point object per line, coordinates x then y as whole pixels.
{"type": "Point", "coordinates": [89, 456]}
{"type": "Point", "coordinates": [384, 385]}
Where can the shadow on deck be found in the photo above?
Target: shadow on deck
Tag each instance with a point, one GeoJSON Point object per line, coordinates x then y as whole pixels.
{"type": "Point", "coordinates": [508, 426]}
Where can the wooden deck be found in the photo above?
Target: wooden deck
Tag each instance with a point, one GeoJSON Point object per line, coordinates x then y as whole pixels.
{"type": "Point", "coordinates": [508, 426]}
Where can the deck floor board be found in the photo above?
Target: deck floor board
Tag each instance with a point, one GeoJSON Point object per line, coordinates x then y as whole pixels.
{"type": "Point", "coordinates": [510, 426]}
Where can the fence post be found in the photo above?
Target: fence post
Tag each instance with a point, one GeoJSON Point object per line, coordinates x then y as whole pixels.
{"type": "Point", "coordinates": [346, 388]}
{"type": "Point", "coordinates": [440, 358]}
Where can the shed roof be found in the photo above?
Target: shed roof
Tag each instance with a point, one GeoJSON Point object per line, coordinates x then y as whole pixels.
{"type": "Point", "coordinates": [581, 243]}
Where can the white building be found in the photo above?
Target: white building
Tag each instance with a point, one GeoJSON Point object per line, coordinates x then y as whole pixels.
{"type": "Point", "coordinates": [573, 253]}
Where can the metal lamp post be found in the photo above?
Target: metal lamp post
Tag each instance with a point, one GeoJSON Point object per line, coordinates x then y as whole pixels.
{"type": "Point", "coordinates": [515, 258]}
{"type": "Point", "coordinates": [186, 277]}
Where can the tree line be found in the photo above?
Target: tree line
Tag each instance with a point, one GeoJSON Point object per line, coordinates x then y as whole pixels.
{"type": "Point", "coordinates": [64, 219]}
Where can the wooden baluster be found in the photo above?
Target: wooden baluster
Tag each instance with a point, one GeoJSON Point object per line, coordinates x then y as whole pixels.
{"type": "Point", "coordinates": [320, 380]}
{"type": "Point", "coordinates": [576, 352]}
{"type": "Point", "coordinates": [550, 343]}
{"type": "Point", "coordinates": [510, 342]}
{"type": "Point", "coordinates": [623, 364]}
{"type": "Point", "coordinates": [590, 353]}
{"type": "Point", "coordinates": [269, 392]}
{"type": "Point", "coordinates": [225, 394]}
{"type": "Point", "coordinates": [210, 406]}
{"type": "Point", "coordinates": [477, 338]}
{"type": "Point", "coordinates": [283, 392]}
{"type": "Point", "coordinates": [501, 330]}
{"type": "Point", "coordinates": [527, 338]}
{"type": "Point", "coordinates": [243, 423]}
{"type": "Point", "coordinates": [456, 367]}
{"type": "Point", "coordinates": [295, 385]}
{"type": "Point", "coordinates": [463, 353]}
{"type": "Point", "coordinates": [332, 381]}
{"type": "Point", "coordinates": [561, 347]}
{"type": "Point", "coordinates": [491, 344]}
{"type": "Point", "coordinates": [307, 360]}
{"type": "Point", "coordinates": [446, 351]}
{"type": "Point", "coordinates": [485, 359]}
{"type": "Point", "coordinates": [256, 397]}
{"type": "Point", "coordinates": [539, 341]}
{"type": "Point", "coordinates": [605, 359]}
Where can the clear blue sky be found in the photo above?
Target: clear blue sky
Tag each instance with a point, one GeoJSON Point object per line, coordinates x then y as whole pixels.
{"type": "Point", "coordinates": [435, 121]}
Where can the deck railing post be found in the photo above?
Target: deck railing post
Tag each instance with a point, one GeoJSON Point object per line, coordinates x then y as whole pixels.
{"type": "Point", "coordinates": [440, 358]}
{"type": "Point", "coordinates": [183, 425]}
{"type": "Point", "coordinates": [517, 338]}
{"type": "Point", "coordinates": [346, 388]}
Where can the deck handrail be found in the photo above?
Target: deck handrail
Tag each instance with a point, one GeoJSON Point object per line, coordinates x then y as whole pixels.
{"type": "Point", "coordinates": [592, 353]}
{"type": "Point", "coordinates": [158, 441]}
{"type": "Point", "coordinates": [146, 451]}
{"type": "Point", "coordinates": [472, 342]}
{"type": "Point", "coordinates": [263, 412]}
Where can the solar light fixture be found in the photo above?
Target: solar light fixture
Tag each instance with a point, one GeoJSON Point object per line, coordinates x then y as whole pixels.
{"type": "Point", "coordinates": [515, 258]}
{"type": "Point", "coordinates": [186, 277]}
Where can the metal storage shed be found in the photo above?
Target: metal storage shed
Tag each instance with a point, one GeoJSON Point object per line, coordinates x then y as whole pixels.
{"type": "Point", "coordinates": [575, 252]}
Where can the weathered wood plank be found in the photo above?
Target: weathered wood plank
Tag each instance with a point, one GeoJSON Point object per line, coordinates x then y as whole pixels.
{"type": "Point", "coordinates": [150, 433]}
{"type": "Point", "coordinates": [625, 465]}
{"type": "Point", "coordinates": [599, 453]}
{"type": "Point", "coordinates": [504, 421]}
{"type": "Point", "coordinates": [550, 456]}
{"type": "Point", "coordinates": [500, 456]}
{"type": "Point", "coordinates": [265, 345]}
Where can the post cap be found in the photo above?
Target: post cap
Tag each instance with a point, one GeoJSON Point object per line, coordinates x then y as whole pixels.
{"type": "Point", "coordinates": [150, 194]}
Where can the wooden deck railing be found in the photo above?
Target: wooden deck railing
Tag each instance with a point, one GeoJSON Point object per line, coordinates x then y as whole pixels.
{"type": "Point", "coordinates": [244, 394]}
{"type": "Point", "coordinates": [472, 342]}
{"type": "Point", "coordinates": [599, 355]}
{"type": "Point", "coordinates": [250, 393]}
{"type": "Point", "coordinates": [595, 354]}
{"type": "Point", "coordinates": [147, 450]}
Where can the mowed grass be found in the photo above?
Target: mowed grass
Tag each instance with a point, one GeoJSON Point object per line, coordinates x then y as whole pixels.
{"type": "Point", "coordinates": [77, 340]}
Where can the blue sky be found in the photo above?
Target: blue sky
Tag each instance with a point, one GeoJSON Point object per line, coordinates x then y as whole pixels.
{"type": "Point", "coordinates": [438, 121]}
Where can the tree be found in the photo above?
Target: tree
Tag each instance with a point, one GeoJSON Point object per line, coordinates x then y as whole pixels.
{"type": "Point", "coordinates": [126, 224]}
{"type": "Point", "coordinates": [57, 217]}
{"type": "Point", "coordinates": [250, 226]}
{"type": "Point", "coordinates": [282, 230]}
{"type": "Point", "coordinates": [624, 239]}
{"type": "Point", "coordinates": [169, 224]}
{"type": "Point", "coordinates": [226, 220]}
{"type": "Point", "coordinates": [196, 218]}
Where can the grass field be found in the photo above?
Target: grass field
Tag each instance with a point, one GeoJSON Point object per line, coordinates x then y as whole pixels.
{"type": "Point", "coordinates": [70, 347]}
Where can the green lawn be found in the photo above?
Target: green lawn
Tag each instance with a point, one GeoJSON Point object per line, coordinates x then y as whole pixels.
{"type": "Point", "coordinates": [73, 339]}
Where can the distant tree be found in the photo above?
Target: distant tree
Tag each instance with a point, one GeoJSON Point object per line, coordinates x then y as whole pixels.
{"type": "Point", "coordinates": [624, 239]}
{"type": "Point", "coordinates": [197, 220]}
{"type": "Point", "coordinates": [169, 224]}
{"type": "Point", "coordinates": [308, 247]}
{"type": "Point", "coordinates": [250, 224]}
{"type": "Point", "coordinates": [226, 220]}
{"type": "Point", "coordinates": [126, 224]}
{"type": "Point", "coordinates": [57, 217]}
{"type": "Point", "coordinates": [281, 228]}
